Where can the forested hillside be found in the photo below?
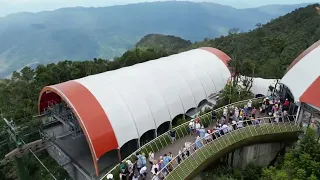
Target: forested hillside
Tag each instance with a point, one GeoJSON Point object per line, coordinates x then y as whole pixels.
{"type": "Point", "coordinates": [85, 33]}
{"type": "Point", "coordinates": [268, 50]}
{"type": "Point", "coordinates": [169, 44]}
{"type": "Point", "coordinates": [272, 47]}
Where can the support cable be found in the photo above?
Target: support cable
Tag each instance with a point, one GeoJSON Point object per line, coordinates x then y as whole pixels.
{"type": "Point", "coordinates": [41, 163]}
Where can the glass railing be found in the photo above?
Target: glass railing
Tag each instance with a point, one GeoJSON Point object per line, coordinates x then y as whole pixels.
{"type": "Point", "coordinates": [194, 154]}
{"type": "Point", "coordinates": [181, 131]}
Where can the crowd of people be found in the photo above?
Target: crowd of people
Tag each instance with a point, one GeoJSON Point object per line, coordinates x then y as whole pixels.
{"type": "Point", "coordinates": [232, 118]}
{"type": "Point", "coordinates": [138, 170]}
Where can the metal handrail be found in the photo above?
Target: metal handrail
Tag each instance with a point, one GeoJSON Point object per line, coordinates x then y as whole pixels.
{"type": "Point", "coordinates": [193, 147]}
{"type": "Point", "coordinates": [176, 128]}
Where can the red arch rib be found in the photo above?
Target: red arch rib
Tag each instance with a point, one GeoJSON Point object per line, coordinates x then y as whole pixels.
{"type": "Point", "coordinates": [90, 115]}
{"type": "Point", "coordinates": [302, 55]}
{"type": "Point", "coordinates": [221, 55]}
{"type": "Point", "coordinates": [311, 95]}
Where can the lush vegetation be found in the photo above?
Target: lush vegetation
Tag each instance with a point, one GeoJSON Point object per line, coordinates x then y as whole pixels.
{"type": "Point", "coordinates": [169, 44]}
{"type": "Point", "coordinates": [250, 172]}
{"type": "Point", "coordinates": [272, 47]}
{"type": "Point", "coordinates": [265, 52]}
{"type": "Point", "coordinates": [87, 33]}
{"type": "Point", "coordinates": [300, 163]}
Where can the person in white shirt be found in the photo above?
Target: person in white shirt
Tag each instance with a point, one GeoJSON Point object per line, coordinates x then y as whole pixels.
{"type": "Point", "coordinates": [109, 177]}
{"type": "Point", "coordinates": [225, 129]}
{"type": "Point", "coordinates": [240, 124]}
{"type": "Point", "coordinates": [230, 128]}
{"type": "Point", "coordinates": [143, 172]}
{"type": "Point", "coordinates": [249, 104]}
{"type": "Point", "coordinates": [130, 166]}
{"type": "Point", "coordinates": [135, 177]}
{"type": "Point", "coordinates": [225, 112]}
{"type": "Point", "coordinates": [236, 113]}
{"type": "Point", "coordinates": [208, 137]}
{"type": "Point", "coordinates": [155, 167]}
{"type": "Point", "coordinates": [276, 117]}
{"type": "Point", "coordinates": [198, 126]}
{"type": "Point", "coordinates": [151, 157]}
{"type": "Point", "coordinates": [155, 176]}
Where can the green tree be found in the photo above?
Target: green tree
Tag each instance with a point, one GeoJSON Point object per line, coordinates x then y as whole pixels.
{"type": "Point", "coordinates": [301, 163]}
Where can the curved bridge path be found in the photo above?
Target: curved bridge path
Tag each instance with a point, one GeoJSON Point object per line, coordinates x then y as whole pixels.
{"type": "Point", "coordinates": [200, 157]}
{"type": "Point", "coordinates": [250, 133]}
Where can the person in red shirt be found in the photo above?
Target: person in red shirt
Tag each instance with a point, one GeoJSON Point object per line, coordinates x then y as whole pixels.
{"type": "Point", "coordinates": [253, 112]}
{"type": "Point", "coordinates": [286, 105]}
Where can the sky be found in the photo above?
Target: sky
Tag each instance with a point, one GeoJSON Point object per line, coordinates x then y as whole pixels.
{"type": "Point", "coordinates": [14, 6]}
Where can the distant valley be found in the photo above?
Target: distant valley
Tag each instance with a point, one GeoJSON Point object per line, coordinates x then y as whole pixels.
{"type": "Point", "coordinates": [86, 33]}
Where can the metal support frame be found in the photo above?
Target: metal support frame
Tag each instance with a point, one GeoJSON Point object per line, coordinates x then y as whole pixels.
{"type": "Point", "coordinates": [21, 149]}
{"type": "Point", "coordinates": [64, 115]}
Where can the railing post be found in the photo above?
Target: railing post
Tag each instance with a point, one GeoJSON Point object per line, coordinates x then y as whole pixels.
{"type": "Point", "coordinates": [231, 134]}
{"type": "Point", "coordinates": [227, 135]}
{"type": "Point", "coordinates": [151, 147]}
{"type": "Point", "coordinates": [285, 124]}
{"type": "Point", "coordinates": [272, 122]}
{"type": "Point", "coordinates": [267, 124]}
{"type": "Point", "coordinates": [216, 139]}
{"type": "Point", "coordinates": [188, 159]}
{"type": "Point", "coordinates": [177, 134]}
{"type": "Point", "coordinates": [166, 138]}
{"type": "Point", "coordinates": [204, 139]}
{"type": "Point", "coordinates": [255, 125]}
{"type": "Point", "coordinates": [161, 142]}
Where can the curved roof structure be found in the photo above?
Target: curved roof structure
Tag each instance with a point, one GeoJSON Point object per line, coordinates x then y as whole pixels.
{"type": "Point", "coordinates": [261, 86]}
{"type": "Point", "coordinates": [303, 76]}
{"type": "Point", "coordinates": [117, 106]}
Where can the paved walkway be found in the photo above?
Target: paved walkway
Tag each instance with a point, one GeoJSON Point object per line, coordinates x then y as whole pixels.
{"type": "Point", "coordinates": [179, 144]}
{"type": "Point", "coordinates": [174, 148]}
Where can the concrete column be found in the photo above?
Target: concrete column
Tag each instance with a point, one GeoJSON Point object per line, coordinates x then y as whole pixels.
{"type": "Point", "coordinates": [119, 155]}
{"type": "Point", "coordinates": [300, 115]}
{"type": "Point", "coordinates": [155, 133]}
{"type": "Point", "coordinates": [139, 145]}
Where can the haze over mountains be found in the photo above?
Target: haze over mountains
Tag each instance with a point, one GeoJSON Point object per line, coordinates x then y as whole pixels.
{"type": "Point", "coordinates": [85, 33]}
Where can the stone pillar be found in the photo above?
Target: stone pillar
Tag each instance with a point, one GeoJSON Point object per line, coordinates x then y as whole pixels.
{"type": "Point", "coordinates": [300, 115]}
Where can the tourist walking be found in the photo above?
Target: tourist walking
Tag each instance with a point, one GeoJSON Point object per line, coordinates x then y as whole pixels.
{"type": "Point", "coordinates": [151, 157]}
{"type": "Point", "coordinates": [172, 135]}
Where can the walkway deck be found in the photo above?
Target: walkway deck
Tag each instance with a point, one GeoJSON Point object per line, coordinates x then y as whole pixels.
{"type": "Point", "coordinates": [199, 159]}
{"type": "Point", "coordinates": [178, 144]}
{"type": "Point", "coordinates": [175, 147]}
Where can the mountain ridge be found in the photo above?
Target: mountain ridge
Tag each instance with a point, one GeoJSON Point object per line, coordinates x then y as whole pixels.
{"type": "Point", "coordinates": [106, 32]}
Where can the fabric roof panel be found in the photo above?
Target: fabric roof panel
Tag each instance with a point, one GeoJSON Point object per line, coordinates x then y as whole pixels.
{"type": "Point", "coordinates": [112, 103]}
{"type": "Point", "coordinates": [312, 94]}
{"type": "Point", "coordinates": [177, 82]}
{"type": "Point", "coordinates": [303, 73]}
